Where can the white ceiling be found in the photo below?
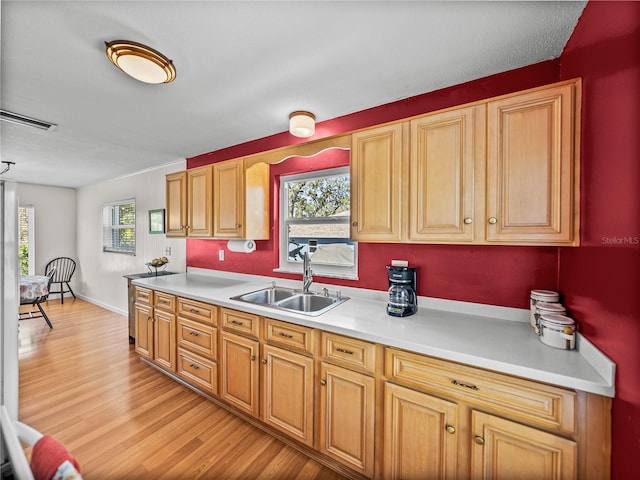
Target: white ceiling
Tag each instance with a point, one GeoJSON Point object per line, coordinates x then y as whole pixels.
{"type": "Point", "coordinates": [242, 67]}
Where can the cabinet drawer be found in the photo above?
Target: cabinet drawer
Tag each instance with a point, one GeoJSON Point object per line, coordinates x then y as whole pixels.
{"type": "Point", "coordinates": [199, 338]}
{"type": "Point", "coordinates": [349, 351]}
{"type": "Point", "coordinates": [529, 401]}
{"type": "Point", "coordinates": [164, 301]}
{"type": "Point", "coordinates": [144, 295]}
{"type": "Point", "coordinates": [202, 312]}
{"type": "Point", "coordinates": [240, 322]}
{"type": "Point", "coordinates": [198, 370]}
{"type": "Point", "coordinates": [290, 336]}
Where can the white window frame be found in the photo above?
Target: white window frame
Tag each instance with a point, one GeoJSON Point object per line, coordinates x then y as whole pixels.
{"type": "Point", "coordinates": [325, 270]}
{"type": "Point", "coordinates": [109, 229]}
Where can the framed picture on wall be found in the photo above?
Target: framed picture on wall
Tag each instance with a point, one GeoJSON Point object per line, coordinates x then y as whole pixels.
{"type": "Point", "coordinates": [156, 221]}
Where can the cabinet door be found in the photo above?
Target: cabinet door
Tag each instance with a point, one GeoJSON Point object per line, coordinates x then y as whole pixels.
{"type": "Point", "coordinates": [200, 202]}
{"type": "Point", "coordinates": [228, 199]}
{"type": "Point", "coordinates": [287, 392]}
{"type": "Point", "coordinates": [378, 173]}
{"type": "Point", "coordinates": [505, 449]}
{"type": "Point", "coordinates": [144, 331]}
{"type": "Point", "coordinates": [444, 149]}
{"type": "Point", "coordinates": [164, 339]}
{"type": "Point", "coordinates": [239, 372]}
{"type": "Point", "coordinates": [530, 167]}
{"type": "Point", "coordinates": [420, 435]}
{"type": "Point", "coordinates": [176, 215]}
{"type": "Point", "coordinates": [347, 417]}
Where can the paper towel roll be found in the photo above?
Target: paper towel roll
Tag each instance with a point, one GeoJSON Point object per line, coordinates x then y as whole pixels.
{"type": "Point", "coordinates": [244, 246]}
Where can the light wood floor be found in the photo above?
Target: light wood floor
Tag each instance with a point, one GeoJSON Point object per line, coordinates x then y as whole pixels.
{"type": "Point", "coordinates": [82, 383]}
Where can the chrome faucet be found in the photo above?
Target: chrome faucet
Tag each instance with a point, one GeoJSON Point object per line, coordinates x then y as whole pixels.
{"type": "Point", "coordinates": [307, 276]}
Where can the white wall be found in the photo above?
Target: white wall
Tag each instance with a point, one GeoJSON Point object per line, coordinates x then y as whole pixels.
{"type": "Point", "coordinates": [55, 223]}
{"type": "Point", "coordinates": [101, 280]}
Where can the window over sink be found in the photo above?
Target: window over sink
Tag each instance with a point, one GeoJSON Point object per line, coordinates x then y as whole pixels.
{"type": "Point", "coordinates": [315, 218]}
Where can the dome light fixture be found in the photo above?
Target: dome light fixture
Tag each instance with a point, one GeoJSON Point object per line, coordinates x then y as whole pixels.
{"type": "Point", "coordinates": [140, 62]}
{"type": "Point", "coordinates": [302, 124]}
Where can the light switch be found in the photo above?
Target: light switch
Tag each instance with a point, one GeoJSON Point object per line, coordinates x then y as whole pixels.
{"type": "Point", "coordinates": [221, 255]}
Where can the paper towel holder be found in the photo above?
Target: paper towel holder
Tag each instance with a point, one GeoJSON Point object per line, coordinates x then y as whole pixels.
{"type": "Point", "coordinates": [242, 246]}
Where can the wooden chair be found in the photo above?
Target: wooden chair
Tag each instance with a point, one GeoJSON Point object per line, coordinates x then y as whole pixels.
{"type": "Point", "coordinates": [63, 268]}
{"type": "Point", "coordinates": [37, 302]}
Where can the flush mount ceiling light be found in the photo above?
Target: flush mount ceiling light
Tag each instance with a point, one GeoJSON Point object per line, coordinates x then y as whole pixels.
{"type": "Point", "coordinates": [140, 62]}
{"type": "Point", "coordinates": [302, 124]}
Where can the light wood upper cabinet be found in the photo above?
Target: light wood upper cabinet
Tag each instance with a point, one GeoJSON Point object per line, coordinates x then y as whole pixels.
{"type": "Point", "coordinates": [505, 449]}
{"type": "Point", "coordinates": [446, 160]}
{"type": "Point", "coordinates": [199, 202]}
{"type": "Point", "coordinates": [241, 200]}
{"type": "Point", "coordinates": [190, 203]}
{"type": "Point", "coordinates": [532, 166]}
{"type": "Point", "coordinates": [176, 215]}
{"type": "Point", "coordinates": [378, 176]}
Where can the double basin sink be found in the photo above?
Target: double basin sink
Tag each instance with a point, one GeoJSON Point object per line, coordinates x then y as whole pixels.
{"type": "Point", "coordinates": [292, 300]}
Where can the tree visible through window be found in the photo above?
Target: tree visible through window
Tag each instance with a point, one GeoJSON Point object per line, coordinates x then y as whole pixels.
{"type": "Point", "coordinates": [315, 218]}
{"type": "Point", "coordinates": [119, 227]}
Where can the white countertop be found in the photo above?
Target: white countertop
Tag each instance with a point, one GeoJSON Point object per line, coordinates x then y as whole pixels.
{"type": "Point", "coordinates": [490, 337]}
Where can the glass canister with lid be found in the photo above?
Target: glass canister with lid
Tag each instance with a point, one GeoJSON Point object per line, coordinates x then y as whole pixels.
{"type": "Point", "coordinates": [546, 296]}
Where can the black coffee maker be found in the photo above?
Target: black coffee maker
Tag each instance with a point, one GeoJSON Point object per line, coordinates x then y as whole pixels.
{"type": "Point", "coordinates": [403, 300]}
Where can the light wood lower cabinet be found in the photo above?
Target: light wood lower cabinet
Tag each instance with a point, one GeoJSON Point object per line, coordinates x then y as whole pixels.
{"type": "Point", "coordinates": [505, 449]}
{"type": "Point", "coordinates": [347, 417]}
{"type": "Point", "coordinates": [420, 435]}
{"type": "Point", "coordinates": [164, 339]}
{"type": "Point", "coordinates": [144, 330]}
{"type": "Point", "coordinates": [287, 392]}
{"type": "Point", "coordinates": [239, 375]}
{"type": "Point", "coordinates": [155, 327]}
{"type": "Point", "coordinates": [381, 412]}
{"type": "Point", "coordinates": [198, 370]}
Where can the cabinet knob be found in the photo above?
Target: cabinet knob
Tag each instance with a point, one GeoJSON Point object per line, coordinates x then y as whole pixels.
{"type": "Point", "coordinates": [238, 225]}
{"type": "Point", "coordinates": [493, 220]}
{"type": "Point", "coordinates": [264, 360]}
{"type": "Point", "coordinates": [450, 429]}
{"type": "Point", "coordinates": [253, 358]}
{"type": "Point", "coordinates": [355, 224]}
{"type": "Point", "coordinates": [323, 382]}
{"type": "Point", "coordinates": [187, 227]}
{"type": "Point", "coordinates": [478, 439]}
{"type": "Point", "coordinates": [468, 221]}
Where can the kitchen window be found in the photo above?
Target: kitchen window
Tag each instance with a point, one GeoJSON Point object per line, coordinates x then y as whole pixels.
{"type": "Point", "coordinates": [315, 218]}
{"type": "Point", "coordinates": [119, 227]}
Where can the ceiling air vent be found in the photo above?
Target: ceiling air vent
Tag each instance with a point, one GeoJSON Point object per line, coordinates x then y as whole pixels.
{"type": "Point", "coordinates": [26, 121]}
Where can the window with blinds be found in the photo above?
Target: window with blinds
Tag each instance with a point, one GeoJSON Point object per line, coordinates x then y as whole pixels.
{"type": "Point", "coordinates": [119, 227]}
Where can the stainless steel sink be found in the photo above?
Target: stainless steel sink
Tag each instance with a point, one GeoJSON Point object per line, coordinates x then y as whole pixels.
{"type": "Point", "coordinates": [292, 300]}
{"type": "Point", "coordinates": [267, 295]}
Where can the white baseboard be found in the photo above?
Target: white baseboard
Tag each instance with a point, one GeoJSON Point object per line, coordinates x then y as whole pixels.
{"type": "Point", "coordinates": [111, 308]}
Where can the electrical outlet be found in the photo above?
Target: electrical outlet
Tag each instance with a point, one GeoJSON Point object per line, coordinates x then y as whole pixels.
{"type": "Point", "coordinates": [167, 251]}
{"type": "Point", "coordinates": [221, 255]}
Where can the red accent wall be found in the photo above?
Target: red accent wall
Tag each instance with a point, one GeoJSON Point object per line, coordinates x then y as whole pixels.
{"type": "Point", "coordinates": [494, 275]}
{"type": "Point", "coordinates": [600, 280]}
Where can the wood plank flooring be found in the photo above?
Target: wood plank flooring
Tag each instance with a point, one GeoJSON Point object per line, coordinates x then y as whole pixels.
{"type": "Point", "coordinates": [82, 383]}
